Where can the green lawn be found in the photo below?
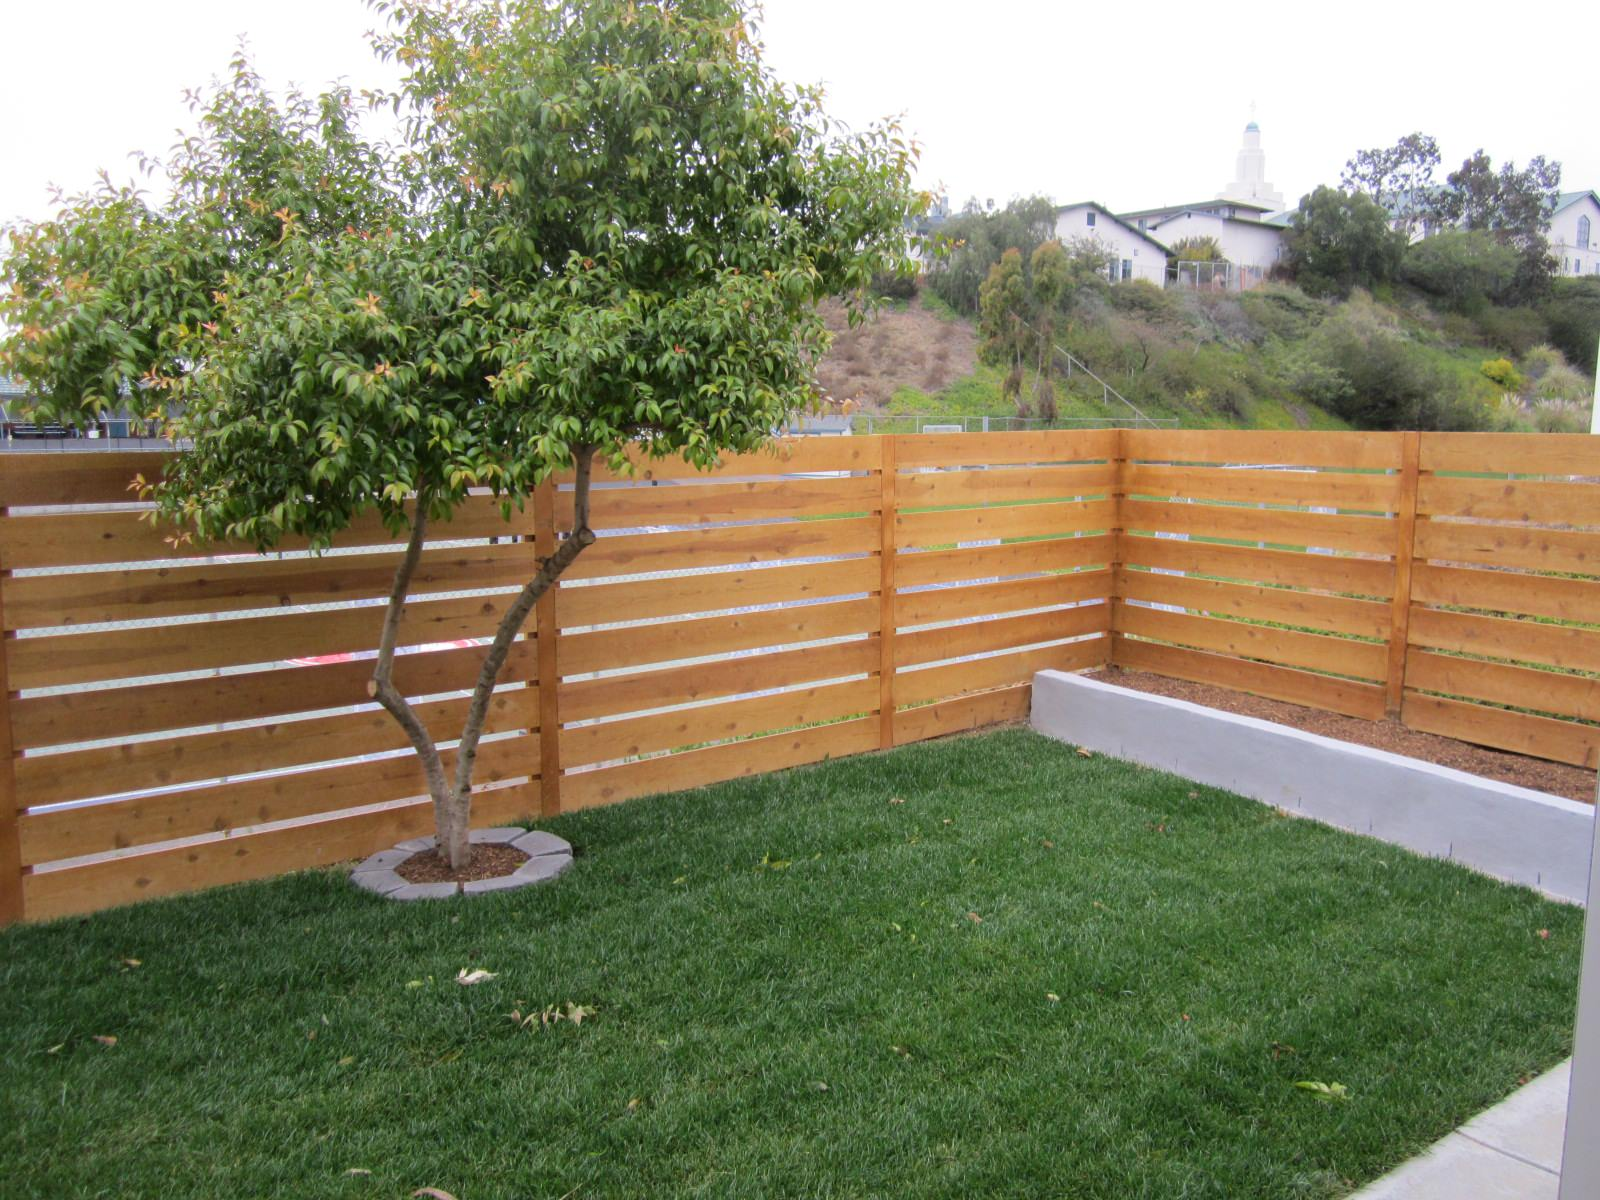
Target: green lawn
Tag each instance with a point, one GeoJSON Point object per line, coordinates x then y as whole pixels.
{"type": "Point", "coordinates": [1037, 974]}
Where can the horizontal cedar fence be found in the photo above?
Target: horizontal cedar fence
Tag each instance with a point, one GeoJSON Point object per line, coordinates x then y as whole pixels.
{"type": "Point", "coordinates": [182, 716]}
{"type": "Point", "coordinates": [179, 716]}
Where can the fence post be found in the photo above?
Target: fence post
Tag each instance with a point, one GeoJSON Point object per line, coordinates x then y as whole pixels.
{"type": "Point", "coordinates": [10, 841]}
{"type": "Point", "coordinates": [886, 605]}
{"type": "Point", "coordinates": [544, 545]}
{"type": "Point", "coordinates": [1405, 534]}
{"type": "Point", "coordinates": [1118, 460]}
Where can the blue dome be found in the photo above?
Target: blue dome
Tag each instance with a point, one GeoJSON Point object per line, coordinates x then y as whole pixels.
{"type": "Point", "coordinates": [1252, 128]}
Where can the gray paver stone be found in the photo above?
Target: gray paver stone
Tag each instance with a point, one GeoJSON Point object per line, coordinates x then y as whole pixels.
{"type": "Point", "coordinates": [382, 881]}
{"type": "Point", "coordinates": [546, 866]}
{"type": "Point", "coordinates": [424, 891]}
{"type": "Point", "coordinates": [417, 844]}
{"type": "Point", "coordinates": [500, 835]}
{"type": "Point", "coordinates": [537, 842]}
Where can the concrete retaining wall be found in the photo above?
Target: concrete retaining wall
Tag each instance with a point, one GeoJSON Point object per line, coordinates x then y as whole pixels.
{"type": "Point", "coordinates": [1509, 832]}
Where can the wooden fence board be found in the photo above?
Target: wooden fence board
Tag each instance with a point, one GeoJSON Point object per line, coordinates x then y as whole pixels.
{"type": "Point", "coordinates": [1333, 614]}
{"type": "Point", "coordinates": [698, 768]}
{"type": "Point", "coordinates": [1563, 695]}
{"type": "Point", "coordinates": [680, 595]}
{"type": "Point", "coordinates": [695, 503]}
{"type": "Point", "coordinates": [1311, 651]}
{"type": "Point", "coordinates": [786, 456]}
{"type": "Point", "coordinates": [998, 670]}
{"type": "Point", "coordinates": [630, 554]}
{"type": "Point", "coordinates": [1542, 737]}
{"type": "Point", "coordinates": [1529, 501]}
{"type": "Point", "coordinates": [1512, 453]}
{"type": "Point", "coordinates": [1325, 572]}
{"type": "Point", "coordinates": [1364, 700]}
{"type": "Point", "coordinates": [1002, 449]}
{"type": "Point", "coordinates": [1368, 493]}
{"type": "Point", "coordinates": [1507, 591]}
{"type": "Point", "coordinates": [633, 736]}
{"type": "Point", "coordinates": [49, 477]}
{"type": "Point", "coordinates": [1001, 485]}
{"type": "Point", "coordinates": [1020, 558]}
{"type": "Point", "coordinates": [1509, 546]}
{"type": "Point", "coordinates": [1002, 633]}
{"type": "Point", "coordinates": [962, 714]}
{"type": "Point", "coordinates": [988, 599]}
{"type": "Point", "coordinates": [1360, 451]}
{"type": "Point", "coordinates": [1368, 535]}
{"type": "Point", "coordinates": [1504, 637]}
{"type": "Point", "coordinates": [1052, 519]}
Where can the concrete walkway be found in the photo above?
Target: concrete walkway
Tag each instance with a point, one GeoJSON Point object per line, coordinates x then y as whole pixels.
{"type": "Point", "coordinates": [1510, 1152]}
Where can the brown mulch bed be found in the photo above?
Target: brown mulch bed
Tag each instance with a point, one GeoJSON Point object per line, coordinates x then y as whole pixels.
{"type": "Point", "coordinates": [486, 862]}
{"type": "Point", "coordinates": [1575, 783]}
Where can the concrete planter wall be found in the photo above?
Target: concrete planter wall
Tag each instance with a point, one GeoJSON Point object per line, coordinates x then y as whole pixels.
{"type": "Point", "coordinates": [1509, 832]}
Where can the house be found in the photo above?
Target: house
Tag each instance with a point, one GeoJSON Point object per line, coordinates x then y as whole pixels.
{"type": "Point", "coordinates": [1130, 252]}
{"type": "Point", "coordinates": [1574, 233]}
{"type": "Point", "coordinates": [1239, 228]}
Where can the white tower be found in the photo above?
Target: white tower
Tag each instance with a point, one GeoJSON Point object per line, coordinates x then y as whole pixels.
{"type": "Point", "coordinates": [1250, 175]}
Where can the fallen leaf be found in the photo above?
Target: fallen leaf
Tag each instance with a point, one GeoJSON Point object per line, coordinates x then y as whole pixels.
{"type": "Point", "coordinates": [358, 1171]}
{"type": "Point", "coordinates": [467, 978]}
{"type": "Point", "coordinates": [57, 1048]}
{"type": "Point", "coordinates": [634, 1103]}
{"type": "Point", "coordinates": [1052, 997]}
{"type": "Point", "coordinates": [1325, 1092]}
{"type": "Point", "coordinates": [1194, 795]}
{"type": "Point", "coordinates": [975, 918]}
{"type": "Point", "coordinates": [413, 983]}
{"type": "Point", "coordinates": [902, 1051]}
{"type": "Point", "coordinates": [1082, 753]}
{"type": "Point", "coordinates": [820, 1086]}
{"type": "Point", "coordinates": [896, 800]}
{"type": "Point", "coordinates": [681, 879]}
{"type": "Point", "coordinates": [436, 1193]}
{"type": "Point", "coordinates": [346, 1060]}
{"type": "Point", "coordinates": [949, 821]}
{"type": "Point", "coordinates": [1048, 844]}
{"type": "Point", "coordinates": [1185, 1016]}
{"type": "Point", "coordinates": [577, 1012]}
{"type": "Point", "coordinates": [131, 964]}
{"type": "Point", "coordinates": [1280, 1049]}
{"type": "Point", "coordinates": [772, 864]}
{"type": "Point", "coordinates": [1545, 934]}
{"type": "Point", "coordinates": [105, 1039]}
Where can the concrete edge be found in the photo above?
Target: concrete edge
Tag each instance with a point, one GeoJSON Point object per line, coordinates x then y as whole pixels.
{"type": "Point", "coordinates": [1512, 833]}
{"type": "Point", "coordinates": [548, 857]}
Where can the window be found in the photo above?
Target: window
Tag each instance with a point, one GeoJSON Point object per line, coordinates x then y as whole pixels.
{"type": "Point", "coordinates": [1583, 233]}
{"type": "Point", "coordinates": [1127, 268]}
{"type": "Point", "coordinates": [1090, 220]}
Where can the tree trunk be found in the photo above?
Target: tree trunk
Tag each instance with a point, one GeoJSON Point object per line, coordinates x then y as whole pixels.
{"type": "Point", "coordinates": [452, 799]}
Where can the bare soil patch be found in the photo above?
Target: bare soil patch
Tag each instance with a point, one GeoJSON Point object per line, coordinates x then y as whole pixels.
{"type": "Point", "coordinates": [484, 862]}
{"type": "Point", "coordinates": [907, 348]}
{"type": "Point", "coordinates": [1558, 779]}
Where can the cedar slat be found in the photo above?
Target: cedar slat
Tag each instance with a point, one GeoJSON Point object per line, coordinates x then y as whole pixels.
{"type": "Point", "coordinates": [1370, 535]}
{"type": "Point", "coordinates": [1370, 451]}
{"type": "Point", "coordinates": [785, 456]}
{"type": "Point", "coordinates": [1001, 485]}
{"type": "Point", "coordinates": [155, 707]}
{"type": "Point", "coordinates": [1507, 591]}
{"type": "Point", "coordinates": [1542, 737]}
{"type": "Point", "coordinates": [1509, 546]}
{"type": "Point", "coordinates": [695, 503]}
{"type": "Point", "coordinates": [216, 808]}
{"type": "Point", "coordinates": [628, 554]}
{"type": "Point", "coordinates": [998, 670]}
{"type": "Point", "coordinates": [988, 599]}
{"type": "Point", "coordinates": [55, 477]}
{"type": "Point", "coordinates": [1054, 518]}
{"type": "Point", "coordinates": [1334, 614]}
{"type": "Point", "coordinates": [999, 449]}
{"type": "Point", "coordinates": [1002, 633]}
{"type": "Point", "coordinates": [962, 714]}
{"type": "Point", "coordinates": [680, 595]}
{"type": "Point", "coordinates": [1533, 502]}
{"type": "Point", "coordinates": [1563, 695]}
{"type": "Point", "coordinates": [697, 768]}
{"type": "Point", "coordinates": [1019, 558]}
{"type": "Point", "coordinates": [1504, 637]}
{"type": "Point", "coordinates": [1325, 572]}
{"type": "Point", "coordinates": [614, 695]}
{"type": "Point", "coordinates": [1311, 651]}
{"type": "Point", "coordinates": [638, 645]}
{"type": "Point", "coordinates": [683, 727]}
{"type": "Point", "coordinates": [1512, 453]}
{"type": "Point", "coordinates": [1345, 696]}
{"type": "Point", "coordinates": [59, 893]}
{"type": "Point", "coordinates": [1377, 493]}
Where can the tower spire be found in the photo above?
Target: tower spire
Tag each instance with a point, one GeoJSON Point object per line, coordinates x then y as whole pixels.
{"type": "Point", "coordinates": [1250, 170]}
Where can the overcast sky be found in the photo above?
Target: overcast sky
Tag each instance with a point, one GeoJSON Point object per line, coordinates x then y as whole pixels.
{"type": "Point", "coordinates": [1134, 106]}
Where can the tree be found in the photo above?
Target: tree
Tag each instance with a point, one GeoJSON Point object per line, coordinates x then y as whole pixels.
{"type": "Point", "coordinates": [1199, 249]}
{"type": "Point", "coordinates": [1341, 240]}
{"type": "Point", "coordinates": [1466, 269]}
{"type": "Point", "coordinates": [1514, 206]}
{"type": "Point", "coordinates": [1399, 178]}
{"type": "Point", "coordinates": [604, 231]}
{"type": "Point", "coordinates": [972, 242]}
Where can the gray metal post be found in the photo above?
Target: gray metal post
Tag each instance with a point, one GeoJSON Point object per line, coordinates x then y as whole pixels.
{"type": "Point", "coordinates": [1580, 1154]}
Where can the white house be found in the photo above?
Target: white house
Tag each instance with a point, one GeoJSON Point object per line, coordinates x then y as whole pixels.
{"type": "Point", "coordinates": [1574, 233]}
{"type": "Point", "coordinates": [1130, 252]}
{"type": "Point", "coordinates": [1238, 227]}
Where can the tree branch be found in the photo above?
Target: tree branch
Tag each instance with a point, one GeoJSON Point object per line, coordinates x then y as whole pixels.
{"type": "Point", "coordinates": [550, 570]}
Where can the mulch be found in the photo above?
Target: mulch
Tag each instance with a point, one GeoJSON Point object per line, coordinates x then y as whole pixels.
{"type": "Point", "coordinates": [1558, 779]}
{"type": "Point", "coordinates": [485, 862]}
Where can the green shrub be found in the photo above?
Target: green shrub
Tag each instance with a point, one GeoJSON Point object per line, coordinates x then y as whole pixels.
{"type": "Point", "coordinates": [1512, 330]}
{"type": "Point", "coordinates": [1464, 270]}
{"type": "Point", "coordinates": [1572, 315]}
{"type": "Point", "coordinates": [1502, 373]}
{"type": "Point", "coordinates": [894, 287]}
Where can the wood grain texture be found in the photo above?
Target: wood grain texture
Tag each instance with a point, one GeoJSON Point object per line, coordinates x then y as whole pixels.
{"type": "Point", "coordinates": [1502, 637]}
{"type": "Point", "coordinates": [1509, 546]}
{"type": "Point", "coordinates": [1364, 700]}
{"type": "Point", "coordinates": [1054, 518]}
{"type": "Point", "coordinates": [999, 670]}
{"type": "Point", "coordinates": [1512, 453]}
{"type": "Point", "coordinates": [1311, 651]}
{"type": "Point", "coordinates": [1541, 737]}
{"type": "Point", "coordinates": [1302, 488]}
{"type": "Point", "coordinates": [1284, 527]}
{"type": "Point", "coordinates": [1358, 451]}
{"type": "Point", "coordinates": [963, 714]}
{"type": "Point", "coordinates": [1506, 592]}
{"type": "Point", "coordinates": [1002, 485]}
{"type": "Point", "coordinates": [1325, 572]}
{"type": "Point", "coordinates": [1243, 601]}
{"type": "Point", "coordinates": [1405, 536]}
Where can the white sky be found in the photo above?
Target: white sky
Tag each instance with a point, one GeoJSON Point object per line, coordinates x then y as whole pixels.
{"type": "Point", "coordinates": [1133, 106]}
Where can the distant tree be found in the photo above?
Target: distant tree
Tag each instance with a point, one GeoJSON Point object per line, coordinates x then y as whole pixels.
{"type": "Point", "coordinates": [1002, 311]}
{"type": "Point", "coordinates": [1465, 269]}
{"type": "Point", "coordinates": [1513, 205]}
{"type": "Point", "coordinates": [1341, 240]}
{"type": "Point", "coordinates": [1572, 311]}
{"type": "Point", "coordinates": [604, 230]}
{"type": "Point", "coordinates": [970, 243]}
{"type": "Point", "coordinates": [1399, 178]}
{"type": "Point", "coordinates": [1198, 249]}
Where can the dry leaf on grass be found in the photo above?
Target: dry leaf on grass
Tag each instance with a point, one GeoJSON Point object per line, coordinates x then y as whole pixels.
{"type": "Point", "coordinates": [436, 1193]}
{"type": "Point", "coordinates": [1082, 753]}
{"type": "Point", "coordinates": [467, 978]}
{"type": "Point", "coordinates": [975, 918]}
{"type": "Point", "coordinates": [105, 1039]}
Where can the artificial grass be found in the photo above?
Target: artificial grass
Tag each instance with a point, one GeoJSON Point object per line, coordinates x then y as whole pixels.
{"type": "Point", "coordinates": [804, 988]}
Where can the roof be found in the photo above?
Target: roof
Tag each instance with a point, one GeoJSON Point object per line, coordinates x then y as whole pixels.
{"type": "Point", "coordinates": [1104, 211]}
{"type": "Point", "coordinates": [1568, 199]}
{"type": "Point", "coordinates": [1212, 203]}
{"type": "Point", "coordinates": [13, 389]}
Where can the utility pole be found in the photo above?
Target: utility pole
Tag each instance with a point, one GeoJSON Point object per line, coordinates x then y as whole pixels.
{"type": "Point", "coordinates": [1580, 1156]}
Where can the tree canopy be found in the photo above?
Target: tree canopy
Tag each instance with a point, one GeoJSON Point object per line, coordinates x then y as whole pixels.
{"type": "Point", "coordinates": [1341, 240]}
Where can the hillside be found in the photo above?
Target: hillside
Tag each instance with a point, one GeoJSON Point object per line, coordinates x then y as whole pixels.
{"type": "Point", "coordinates": [1268, 359]}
